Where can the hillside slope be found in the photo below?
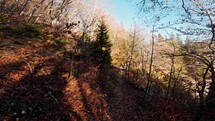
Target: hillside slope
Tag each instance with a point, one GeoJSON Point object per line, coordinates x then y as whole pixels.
{"type": "Point", "coordinates": [34, 86]}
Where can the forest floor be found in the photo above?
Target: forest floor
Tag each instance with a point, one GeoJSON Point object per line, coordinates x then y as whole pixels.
{"type": "Point", "coordinates": [124, 106]}
{"type": "Point", "coordinates": [34, 87]}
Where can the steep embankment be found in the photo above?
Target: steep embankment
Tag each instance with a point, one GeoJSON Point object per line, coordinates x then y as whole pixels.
{"type": "Point", "coordinates": [34, 87]}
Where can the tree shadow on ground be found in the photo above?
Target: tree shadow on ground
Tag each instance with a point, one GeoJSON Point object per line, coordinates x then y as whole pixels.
{"type": "Point", "coordinates": [35, 96]}
{"type": "Point", "coordinates": [85, 74]}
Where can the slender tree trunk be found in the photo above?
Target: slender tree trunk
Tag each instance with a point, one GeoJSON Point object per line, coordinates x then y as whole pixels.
{"type": "Point", "coordinates": [208, 111]}
{"type": "Point", "coordinates": [47, 6]}
{"type": "Point", "coordinates": [131, 54]}
{"type": "Point", "coordinates": [14, 6]}
{"type": "Point", "coordinates": [170, 77]}
{"type": "Point", "coordinates": [151, 61]}
{"type": "Point", "coordinates": [172, 72]}
{"type": "Point", "coordinates": [143, 68]}
{"type": "Point", "coordinates": [41, 5]}
{"type": "Point", "coordinates": [211, 93]}
{"type": "Point", "coordinates": [61, 9]}
{"type": "Point", "coordinates": [175, 81]}
{"type": "Point", "coordinates": [33, 12]}
{"type": "Point", "coordinates": [24, 7]}
{"type": "Point", "coordinates": [201, 95]}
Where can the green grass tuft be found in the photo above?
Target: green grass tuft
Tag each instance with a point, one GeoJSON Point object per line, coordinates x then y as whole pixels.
{"type": "Point", "coordinates": [29, 31]}
{"type": "Point", "coordinates": [61, 42]}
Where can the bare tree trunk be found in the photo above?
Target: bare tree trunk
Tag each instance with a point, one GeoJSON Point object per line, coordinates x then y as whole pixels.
{"type": "Point", "coordinates": [201, 95]}
{"type": "Point", "coordinates": [39, 7]}
{"type": "Point", "coordinates": [151, 61]}
{"type": "Point", "coordinates": [207, 112]}
{"type": "Point", "coordinates": [14, 6]}
{"type": "Point", "coordinates": [136, 74]}
{"type": "Point", "coordinates": [131, 54]}
{"type": "Point", "coordinates": [63, 5]}
{"type": "Point", "coordinates": [211, 93]}
{"type": "Point", "coordinates": [33, 12]}
{"type": "Point", "coordinates": [24, 7]}
{"type": "Point", "coordinates": [175, 81]}
{"type": "Point", "coordinates": [50, 3]}
{"type": "Point", "coordinates": [143, 66]}
{"type": "Point", "coordinates": [172, 71]}
{"type": "Point", "coordinates": [170, 77]}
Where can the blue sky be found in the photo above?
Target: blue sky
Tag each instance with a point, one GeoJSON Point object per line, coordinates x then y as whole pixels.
{"type": "Point", "coordinates": [124, 11]}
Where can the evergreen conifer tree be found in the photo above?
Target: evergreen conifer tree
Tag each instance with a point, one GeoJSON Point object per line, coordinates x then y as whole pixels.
{"type": "Point", "coordinates": [102, 46]}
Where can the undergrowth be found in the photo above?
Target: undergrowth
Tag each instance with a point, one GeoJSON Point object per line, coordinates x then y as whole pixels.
{"type": "Point", "coordinates": [27, 30]}
{"type": "Point", "coordinates": [19, 30]}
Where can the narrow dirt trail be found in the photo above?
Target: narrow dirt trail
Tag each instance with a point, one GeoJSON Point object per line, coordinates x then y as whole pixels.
{"type": "Point", "coordinates": [124, 106]}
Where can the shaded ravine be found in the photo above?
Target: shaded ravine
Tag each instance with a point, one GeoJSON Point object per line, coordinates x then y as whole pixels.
{"type": "Point", "coordinates": [124, 106]}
